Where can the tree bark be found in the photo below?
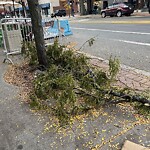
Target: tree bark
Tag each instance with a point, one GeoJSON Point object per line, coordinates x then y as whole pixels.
{"type": "Point", "coordinates": [82, 7]}
{"type": "Point", "coordinates": [37, 28]}
{"type": "Point", "coordinates": [89, 6]}
{"type": "Point", "coordinates": [129, 98]}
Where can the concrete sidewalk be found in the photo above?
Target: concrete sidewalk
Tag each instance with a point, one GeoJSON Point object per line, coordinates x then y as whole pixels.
{"type": "Point", "coordinates": [135, 14]}
{"type": "Point", "coordinates": [105, 129]}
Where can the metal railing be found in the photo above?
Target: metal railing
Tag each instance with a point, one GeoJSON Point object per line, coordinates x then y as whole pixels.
{"type": "Point", "coordinates": [18, 30]}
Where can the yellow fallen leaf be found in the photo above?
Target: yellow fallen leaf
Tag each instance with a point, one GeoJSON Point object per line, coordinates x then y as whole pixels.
{"type": "Point", "coordinates": [103, 130]}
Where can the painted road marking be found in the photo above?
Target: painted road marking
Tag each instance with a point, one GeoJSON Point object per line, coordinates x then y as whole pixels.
{"type": "Point", "coordinates": [82, 20]}
{"type": "Point", "coordinates": [113, 22]}
{"type": "Point", "coordinates": [131, 22]}
{"type": "Point", "coordinates": [126, 32]}
{"type": "Point", "coordinates": [133, 42]}
{"type": "Point", "coordinates": [113, 31]}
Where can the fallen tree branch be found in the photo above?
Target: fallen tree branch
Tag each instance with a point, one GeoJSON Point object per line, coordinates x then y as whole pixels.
{"type": "Point", "coordinates": [83, 92]}
{"type": "Point", "coordinates": [129, 98]}
{"type": "Point", "coordinates": [123, 97]}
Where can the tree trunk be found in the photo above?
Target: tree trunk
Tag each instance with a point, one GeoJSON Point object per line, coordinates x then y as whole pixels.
{"type": "Point", "coordinates": [37, 28]}
{"type": "Point", "coordinates": [89, 6]}
{"type": "Point", "coordinates": [82, 7]}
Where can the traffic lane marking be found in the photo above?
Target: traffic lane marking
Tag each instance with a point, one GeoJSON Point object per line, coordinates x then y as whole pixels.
{"type": "Point", "coordinates": [125, 41]}
{"type": "Point", "coordinates": [112, 22]}
{"type": "Point", "coordinates": [133, 42]}
{"type": "Point", "coordinates": [113, 31]}
{"type": "Point", "coordinates": [131, 22]}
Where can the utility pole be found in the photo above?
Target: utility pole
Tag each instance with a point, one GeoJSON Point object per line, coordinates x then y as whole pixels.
{"type": "Point", "coordinates": [89, 6]}
{"type": "Point", "coordinates": [14, 14]}
{"type": "Point", "coordinates": [148, 6]}
{"type": "Point", "coordinates": [4, 9]}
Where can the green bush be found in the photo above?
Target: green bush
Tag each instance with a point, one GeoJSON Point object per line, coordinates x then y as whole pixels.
{"type": "Point", "coordinates": [29, 52]}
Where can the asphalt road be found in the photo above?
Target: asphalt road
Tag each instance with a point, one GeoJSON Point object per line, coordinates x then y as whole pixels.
{"type": "Point", "coordinates": [127, 38]}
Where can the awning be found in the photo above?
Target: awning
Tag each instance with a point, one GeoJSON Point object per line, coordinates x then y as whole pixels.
{"type": "Point", "coordinates": [46, 5]}
{"type": "Point", "coordinates": [20, 8]}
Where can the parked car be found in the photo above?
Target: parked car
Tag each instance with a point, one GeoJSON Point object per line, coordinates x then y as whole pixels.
{"type": "Point", "coordinates": [60, 12]}
{"type": "Point", "coordinates": [118, 9]}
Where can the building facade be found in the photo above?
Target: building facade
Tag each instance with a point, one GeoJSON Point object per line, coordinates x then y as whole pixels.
{"type": "Point", "coordinates": [139, 4]}
{"type": "Point", "coordinates": [49, 6]}
{"type": "Point", "coordinates": [46, 7]}
{"type": "Point", "coordinates": [68, 5]}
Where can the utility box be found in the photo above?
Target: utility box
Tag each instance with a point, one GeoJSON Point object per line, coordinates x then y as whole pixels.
{"type": "Point", "coordinates": [12, 36]}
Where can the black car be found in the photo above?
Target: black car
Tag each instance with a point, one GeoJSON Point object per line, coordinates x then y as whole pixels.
{"type": "Point", "coordinates": [118, 9]}
{"type": "Point", "coordinates": [60, 12]}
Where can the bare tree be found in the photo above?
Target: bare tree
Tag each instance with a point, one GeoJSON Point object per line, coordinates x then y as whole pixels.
{"type": "Point", "coordinates": [36, 19]}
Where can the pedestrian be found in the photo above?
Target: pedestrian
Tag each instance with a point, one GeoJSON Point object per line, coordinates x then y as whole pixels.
{"type": "Point", "coordinates": [95, 9]}
{"type": "Point", "coordinates": [72, 12]}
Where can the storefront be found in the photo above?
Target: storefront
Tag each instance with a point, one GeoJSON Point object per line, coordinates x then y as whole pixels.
{"type": "Point", "coordinates": [138, 4]}
{"type": "Point", "coordinates": [68, 5]}
{"type": "Point", "coordinates": [45, 9]}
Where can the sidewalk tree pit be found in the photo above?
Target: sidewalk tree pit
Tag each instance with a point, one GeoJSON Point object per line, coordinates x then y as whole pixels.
{"type": "Point", "coordinates": [71, 85]}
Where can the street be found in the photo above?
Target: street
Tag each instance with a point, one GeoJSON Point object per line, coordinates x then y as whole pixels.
{"type": "Point", "coordinates": [127, 38]}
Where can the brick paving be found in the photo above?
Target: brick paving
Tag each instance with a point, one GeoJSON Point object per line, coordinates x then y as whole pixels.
{"type": "Point", "coordinates": [127, 77]}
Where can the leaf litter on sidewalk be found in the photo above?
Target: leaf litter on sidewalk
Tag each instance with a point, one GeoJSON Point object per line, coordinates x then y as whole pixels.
{"type": "Point", "coordinates": [22, 76]}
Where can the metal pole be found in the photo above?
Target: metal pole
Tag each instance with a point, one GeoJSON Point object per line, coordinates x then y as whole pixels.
{"type": "Point", "coordinates": [23, 9]}
{"type": "Point", "coordinates": [13, 8]}
{"type": "Point", "coordinates": [4, 9]}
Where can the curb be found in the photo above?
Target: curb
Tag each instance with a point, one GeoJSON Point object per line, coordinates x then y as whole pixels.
{"type": "Point", "coordinates": [142, 72]}
{"type": "Point", "coordinates": [130, 77]}
{"type": "Point", "coordinates": [138, 14]}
